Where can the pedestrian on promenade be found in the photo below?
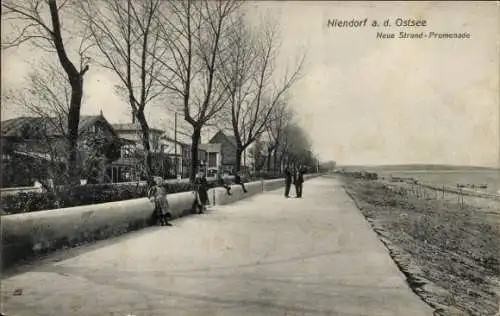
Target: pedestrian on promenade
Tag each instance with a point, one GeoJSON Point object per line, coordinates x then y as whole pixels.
{"type": "Point", "coordinates": [237, 180]}
{"type": "Point", "coordinates": [222, 183]}
{"type": "Point", "coordinates": [288, 182]}
{"type": "Point", "coordinates": [201, 193]}
{"type": "Point", "coordinates": [297, 181]}
{"type": "Point", "coordinates": [157, 194]}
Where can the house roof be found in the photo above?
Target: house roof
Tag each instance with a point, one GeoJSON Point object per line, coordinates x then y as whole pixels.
{"type": "Point", "coordinates": [170, 139]}
{"type": "Point", "coordinates": [26, 126]}
{"type": "Point", "coordinates": [182, 138]}
{"type": "Point", "coordinates": [126, 141]}
{"type": "Point", "coordinates": [211, 147]}
{"type": "Point", "coordinates": [230, 138]}
{"type": "Point", "coordinates": [132, 127]}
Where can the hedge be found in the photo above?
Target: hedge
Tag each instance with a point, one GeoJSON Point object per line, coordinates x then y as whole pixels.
{"type": "Point", "coordinates": [81, 195]}
{"type": "Point", "coordinates": [94, 194]}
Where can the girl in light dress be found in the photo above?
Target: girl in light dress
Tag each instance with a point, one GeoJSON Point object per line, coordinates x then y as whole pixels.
{"type": "Point", "coordinates": [157, 194]}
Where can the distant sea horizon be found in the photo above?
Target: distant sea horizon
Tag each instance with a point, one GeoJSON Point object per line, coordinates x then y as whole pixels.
{"type": "Point", "coordinates": [420, 166]}
{"type": "Point", "coordinates": [438, 174]}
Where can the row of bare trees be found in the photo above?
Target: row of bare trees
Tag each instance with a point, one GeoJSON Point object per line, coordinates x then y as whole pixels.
{"type": "Point", "coordinates": [204, 59]}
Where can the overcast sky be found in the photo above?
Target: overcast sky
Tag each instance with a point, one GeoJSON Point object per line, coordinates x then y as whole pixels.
{"type": "Point", "coordinates": [365, 100]}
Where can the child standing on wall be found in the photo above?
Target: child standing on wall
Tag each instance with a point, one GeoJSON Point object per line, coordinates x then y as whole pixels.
{"type": "Point", "coordinates": [157, 194]}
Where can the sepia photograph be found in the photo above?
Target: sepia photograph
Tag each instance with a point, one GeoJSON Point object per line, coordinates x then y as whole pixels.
{"type": "Point", "coordinates": [241, 158]}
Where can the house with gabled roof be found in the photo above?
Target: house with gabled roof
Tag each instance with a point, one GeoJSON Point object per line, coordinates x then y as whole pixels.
{"type": "Point", "coordinates": [44, 139]}
{"type": "Point", "coordinates": [170, 157]}
{"type": "Point", "coordinates": [221, 152]}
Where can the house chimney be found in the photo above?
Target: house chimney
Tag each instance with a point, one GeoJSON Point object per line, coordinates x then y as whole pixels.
{"type": "Point", "coordinates": [101, 113]}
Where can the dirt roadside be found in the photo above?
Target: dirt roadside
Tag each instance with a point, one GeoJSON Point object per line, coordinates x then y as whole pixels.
{"type": "Point", "coordinates": [448, 252]}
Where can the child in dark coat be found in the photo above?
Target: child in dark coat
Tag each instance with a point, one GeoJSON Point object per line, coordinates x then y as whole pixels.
{"type": "Point", "coordinates": [222, 183]}
{"type": "Point", "coordinates": [201, 193]}
{"type": "Point", "coordinates": [238, 180]}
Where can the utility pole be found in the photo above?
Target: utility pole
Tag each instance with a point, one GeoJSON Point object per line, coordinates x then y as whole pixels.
{"type": "Point", "coordinates": [175, 145]}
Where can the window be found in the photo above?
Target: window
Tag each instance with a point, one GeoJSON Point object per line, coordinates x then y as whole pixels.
{"type": "Point", "coordinates": [212, 160]}
{"type": "Point", "coordinates": [23, 147]}
{"type": "Point", "coordinates": [186, 152]}
{"type": "Point", "coordinates": [202, 155]}
{"type": "Point", "coordinates": [127, 151]}
{"type": "Point", "coordinates": [84, 145]}
{"type": "Point", "coordinates": [98, 129]}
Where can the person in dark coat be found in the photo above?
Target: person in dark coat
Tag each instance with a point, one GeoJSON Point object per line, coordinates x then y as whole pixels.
{"type": "Point", "coordinates": [288, 181]}
{"type": "Point", "coordinates": [222, 183]}
{"type": "Point", "coordinates": [297, 181]}
{"type": "Point", "coordinates": [201, 193]}
{"type": "Point", "coordinates": [237, 180]}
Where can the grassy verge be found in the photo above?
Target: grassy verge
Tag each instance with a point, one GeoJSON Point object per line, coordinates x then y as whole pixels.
{"type": "Point", "coordinates": [449, 253]}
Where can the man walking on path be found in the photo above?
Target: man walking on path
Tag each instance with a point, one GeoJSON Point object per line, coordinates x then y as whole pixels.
{"type": "Point", "coordinates": [288, 181]}
{"type": "Point", "coordinates": [297, 181]}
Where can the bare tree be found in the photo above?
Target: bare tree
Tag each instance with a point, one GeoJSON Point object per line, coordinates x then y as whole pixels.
{"type": "Point", "coordinates": [49, 35]}
{"type": "Point", "coordinates": [250, 79]}
{"type": "Point", "coordinates": [294, 148]}
{"type": "Point", "coordinates": [195, 35]}
{"type": "Point", "coordinates": [127, 34]}
{"type": "Point", "coordinates": [257, 153]}
{"type": "Point", "coordinates": [41, 149]}
{"type": "Point", "coordinates": [37, 147]}
{"type": "Point", "coordinates": [282, 114]}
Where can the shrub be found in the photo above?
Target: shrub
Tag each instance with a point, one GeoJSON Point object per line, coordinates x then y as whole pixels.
{"type": "Point", "coordinates": [82, 195]}
{"type": "Point", "coordinates": [27, 202]}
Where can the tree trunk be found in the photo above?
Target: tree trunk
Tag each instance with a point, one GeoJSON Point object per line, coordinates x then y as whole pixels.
{"type": "Point", "coordinates": [195, 141]}
{"type": "Point", "coordinates": [275, 166]}
{"type": "Point", "coordinates": [239, 153]}
{"type": "Point", "coordinates": [75, 79]}
{"type": "Point", "coordinates": [261, 164]}
{"type": "Point", "coordinates": [268, 159]}
{"type": "Point", "coordinates": [147, 147]}
{"type": "Point", "coordinates": [72, 137]}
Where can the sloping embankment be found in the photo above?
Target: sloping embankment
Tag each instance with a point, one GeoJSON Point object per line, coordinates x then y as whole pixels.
{"type": "Point", "coordinates": [448, 253]}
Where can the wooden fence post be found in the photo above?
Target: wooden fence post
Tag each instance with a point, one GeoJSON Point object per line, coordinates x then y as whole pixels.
{"type": "Point", "coordinates": [462, 198]}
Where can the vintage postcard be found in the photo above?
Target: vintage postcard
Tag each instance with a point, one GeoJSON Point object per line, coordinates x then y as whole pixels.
{"type": "Point", "coordinates": [181, 157]}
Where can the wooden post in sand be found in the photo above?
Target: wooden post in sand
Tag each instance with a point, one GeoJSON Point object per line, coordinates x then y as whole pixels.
{"type": "Point", "coordinates": [461, 198]}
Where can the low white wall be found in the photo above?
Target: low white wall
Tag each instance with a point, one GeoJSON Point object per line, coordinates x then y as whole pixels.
{"type": "Point", "coordinates": [12, 191]}
{"type": "Point", "coordinates": [28, 234]}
